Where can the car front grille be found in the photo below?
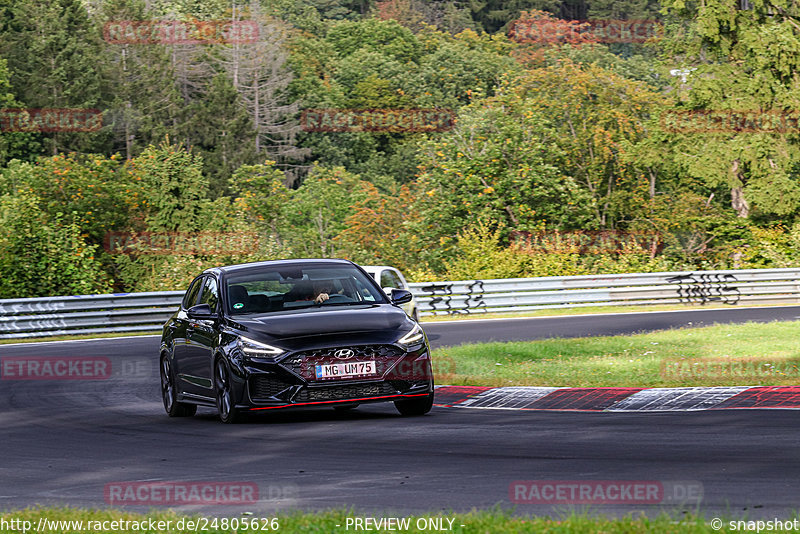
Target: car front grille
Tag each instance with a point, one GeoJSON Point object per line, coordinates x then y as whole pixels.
{"type": "Point", "coordinates": [344, 392]}
{"type": "Point", "coordinates": [262, 387]}
{"type": "Point", "coordinates": [303, 363]}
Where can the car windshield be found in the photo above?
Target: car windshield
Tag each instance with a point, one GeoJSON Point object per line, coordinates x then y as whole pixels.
{"type": "Point", "coordinates": [295, 287]}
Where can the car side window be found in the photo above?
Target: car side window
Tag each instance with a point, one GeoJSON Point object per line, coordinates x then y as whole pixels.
{"type": "Point", "coordinates": [210, 293]}
{"type": "Point", "coordinates": [190, 299]}
{"type": "Point", "coordinates": [389, 279]}
{"type": "Point", "coordinates": [399, 281]}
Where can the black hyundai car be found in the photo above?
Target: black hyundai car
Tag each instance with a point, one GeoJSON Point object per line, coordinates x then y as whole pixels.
{"type": "Point", "coordinates": [279, 334]}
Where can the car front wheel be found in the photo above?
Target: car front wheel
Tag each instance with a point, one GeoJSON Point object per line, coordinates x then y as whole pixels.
{"type": "Point", "coordinates": [412, 407]}
{"type": "Point", "coordinates": [222, 385]}
{"type": "Point", "coordinates": [169, 393]}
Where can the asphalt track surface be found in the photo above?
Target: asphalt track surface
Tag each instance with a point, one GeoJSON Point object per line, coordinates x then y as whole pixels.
{"type": "Point", "coordinates": [63, 442]}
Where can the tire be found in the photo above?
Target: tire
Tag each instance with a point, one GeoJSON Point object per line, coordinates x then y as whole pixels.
{"type": "Point", "coordinates": [169, 393]}
{"type": "Point", "coordinates": [415, 407]}
{"type": "Point", "coordinates": [226, 408]}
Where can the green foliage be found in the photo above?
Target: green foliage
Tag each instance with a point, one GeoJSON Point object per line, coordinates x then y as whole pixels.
{"type": "Point", "coordinates": [53, 53]}
{"type": "Point", "coordinates": [376, 64]}
{"type": "Point", "coordinates": [377, 229]}
{"type": "Point", "coordinates": [43, 255]}
{"type": "Point", "coordinates": [173, 196]}
{"type": "Point", "coordinates": [316, 212]}
{"type": "Point", "coordinates": [497, 164]}
{"type": "Point", "coordinates": [260, 192]}
{"type": "Point", "coordinates": [461, 68]}
{"type": "Point", "coordinates": [174, 189]}
{"type": "Point", "coordinates": [223, 133]}
{"type": "Point", "coordinates": [495, 15]}
{"type": "Point", "coordinates": [774, 247]}
{"type": "Point", "coordinates": [384, 36]}
{"type": "Point", "coordinates": [93, 187]}
{"type": "Point", "coordinates": [744, 60]}
{"type": "Point", "coordinates": [14, 145]}
{"type": "Point", "coordinates": [480, 255]}
{"type": "Point", "coordinates": [555, 138]}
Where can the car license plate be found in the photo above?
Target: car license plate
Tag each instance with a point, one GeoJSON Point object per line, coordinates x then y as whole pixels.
{"type": "Point", "coordinates": [346, 370]}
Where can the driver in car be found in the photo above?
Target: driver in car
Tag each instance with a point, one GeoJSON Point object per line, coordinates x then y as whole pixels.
{"type": "Point", "coordinates": [322, 292]}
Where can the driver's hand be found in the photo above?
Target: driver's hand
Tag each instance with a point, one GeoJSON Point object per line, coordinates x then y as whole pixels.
{"type": "Point", "coordinates": [322, 297]}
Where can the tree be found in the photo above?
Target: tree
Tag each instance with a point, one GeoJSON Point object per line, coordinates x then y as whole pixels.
{"type": "Point", "coordinates": [377, 229]}
{"type": "Point", "coordinates": [139, 85]}
{"type": "Point", "coordinates": [260, 193]}
{"type": "Point", "coordinates": [500, 163]}
{"type": "Point", "coordinates": [259, 74]}
{"type": "Point", "coordinates": [174, 189]}
{"type": "Point", "coordinates": [221, 133]}
{"type": "Point", "coordinates": [43, 255]}
{"type": "Point", "coordinates": [416, 14]}
{"type": "Point", "coordinates": [597, 116]}
{"type": "Point", "coordinates": [496, 15]}
{"type": "Point", "coordinates": [14, 145]}
{"type": "Point", "coordinates": [743, 60]}
{"type": "Point", "coordinates": [53, 50]}
{"type": "Point", "coordinates": [93, 187]}
{"type": "Point", "coordinates": [317, 212]}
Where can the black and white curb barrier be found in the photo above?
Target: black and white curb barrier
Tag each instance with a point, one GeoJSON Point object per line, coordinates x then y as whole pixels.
{"type": "Point", "coordinates": [610, 399]}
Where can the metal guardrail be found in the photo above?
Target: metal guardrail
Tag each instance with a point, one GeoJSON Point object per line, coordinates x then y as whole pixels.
{"type": "Point", "coordinates": [732, 287]}
{"type": "Point", "coordinates": [86, 314]}
{"type": "Point", "coordinates": [134, 312]}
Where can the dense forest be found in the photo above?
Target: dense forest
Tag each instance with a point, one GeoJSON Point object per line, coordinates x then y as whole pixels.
{"type": "Point", "coordinates": [564, 145]}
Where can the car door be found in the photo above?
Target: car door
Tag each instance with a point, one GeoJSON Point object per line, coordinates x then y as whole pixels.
{"type": "Point", "coordinates": [201, 336]}
{"type": "Point", "coordinates": [179, 323]}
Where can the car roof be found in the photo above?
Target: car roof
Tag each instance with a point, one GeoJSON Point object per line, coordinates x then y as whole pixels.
{"type": "Point", "coordinates": [377, 267]}
{"type": "Point", "coordinates": [226, 269]}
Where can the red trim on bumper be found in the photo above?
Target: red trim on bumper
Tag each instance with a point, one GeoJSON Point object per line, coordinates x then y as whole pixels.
{"type": "Point", "coordinates": [339, 401]}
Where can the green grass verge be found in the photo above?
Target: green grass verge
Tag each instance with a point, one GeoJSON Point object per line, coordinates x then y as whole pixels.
{"type": "Point", "coordinates": [722, 355]}
{"type": "Point", "coordinates": [493, 521]}
{"type": "Point", "coordinates": [558, 312]}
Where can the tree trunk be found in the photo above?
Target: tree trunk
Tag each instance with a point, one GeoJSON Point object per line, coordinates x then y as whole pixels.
{"type": "Point", "coordinates": [738, 202]}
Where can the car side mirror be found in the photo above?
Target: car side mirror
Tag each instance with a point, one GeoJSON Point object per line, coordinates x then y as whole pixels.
{"type": "Point", "coordinates": [201, 311]}
{"type": "Point", "coordinates": [401, 296]}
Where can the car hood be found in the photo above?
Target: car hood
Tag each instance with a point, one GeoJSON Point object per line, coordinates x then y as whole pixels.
{"type": "Point", "coordinates": [324, 321]}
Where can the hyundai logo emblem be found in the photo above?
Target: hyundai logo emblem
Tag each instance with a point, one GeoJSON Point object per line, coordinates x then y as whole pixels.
{"type": "Point", "coordinates": [344, 354]}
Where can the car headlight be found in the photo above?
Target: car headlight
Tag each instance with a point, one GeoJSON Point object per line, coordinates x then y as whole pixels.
{"type": "Point", "coordinates": [415, 335]}
{"type": "Point", "coordinates": [251, 347]}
